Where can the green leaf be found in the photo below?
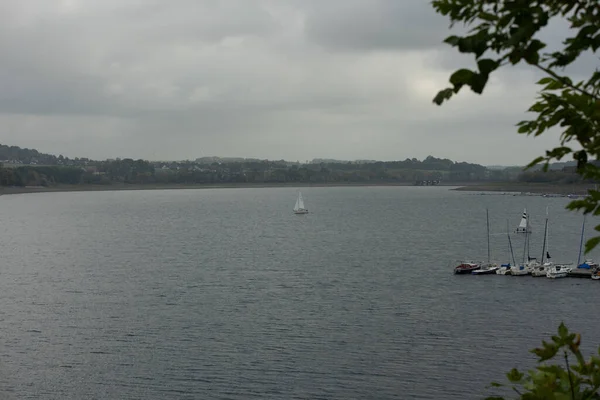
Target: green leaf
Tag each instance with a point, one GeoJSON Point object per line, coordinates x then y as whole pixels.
{"type": "Point", "coordinates": [563, 332]}
{"type": "Point", "coordinates": [461, 77]}
{"type": "Point", "coordinates": [452, 40]}
{"type": "Point", "coordinates": [546, 352]}
{"type": "Point", "coordinates": [551, 369]}
{"type": "Point", "coordinates": [545, 81]}
{"type": "Point", "coordinates": [591, 244]}
{"type": "Point", "coordinates": [532, 55]}
{"type": "Point", "coordinates": [443, 95]}
{"type": "Point", "coordinates": [478, 82]}
{"type": "Point", "coordinates": [488, 17]}
{"type": "Point", "coordinates": [515, 376]}
{"type": "Point", "coordinates": [535, 162]}
{"type": "Point", "coordinates": [487, 65]}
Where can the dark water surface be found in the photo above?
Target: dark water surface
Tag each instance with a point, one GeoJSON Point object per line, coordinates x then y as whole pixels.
{"type": "Point", "coordinates": [225, 294]}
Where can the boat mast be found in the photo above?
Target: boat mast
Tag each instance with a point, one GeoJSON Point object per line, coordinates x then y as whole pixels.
{"type": "Point", "coordinates": [545, 235]}
{"type": "Point", "coordinates": [487, 216]}
{"type": "Point", "coordinates": [525, 241]}
{"type": "Point", "coordinates": [510, 244]}
{"type": "Point", "coordinates": [581, 241]}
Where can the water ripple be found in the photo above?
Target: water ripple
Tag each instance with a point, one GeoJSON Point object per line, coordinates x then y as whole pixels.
{"type": "Point", "coordinates": [225, 294]}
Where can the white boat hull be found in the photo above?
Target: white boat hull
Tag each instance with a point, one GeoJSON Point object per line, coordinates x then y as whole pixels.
{"type": "Point", "coordinates": [558, 271]}
{"type": "Point", "coordinates": [556, 275]}
{"type": "Point", "coordinates": [519, 271]}
{"type": "Point", "coordinates": [300, 211]}
{"type": "Point", "coordinates": [541, 270]}
{"type": "Point", "coordinates": [484, 270]}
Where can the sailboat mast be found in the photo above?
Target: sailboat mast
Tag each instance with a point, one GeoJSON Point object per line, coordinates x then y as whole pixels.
{"type": "Point", "coordinates": [545, 235]}
{"type": "Point", "coordinates": [581, 242]}
{"type": "Point", "coordinates": [512, 254]}
{"type": "Point", "coordinates": [525, 241]}
{"type": "Point", "coordinates": [487, 216]}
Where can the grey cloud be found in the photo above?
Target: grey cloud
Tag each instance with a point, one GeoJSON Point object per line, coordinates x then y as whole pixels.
{"type": "Point", "coordinates": [375, 25]}
{"type": "Point", "coordinates": [291, 79]}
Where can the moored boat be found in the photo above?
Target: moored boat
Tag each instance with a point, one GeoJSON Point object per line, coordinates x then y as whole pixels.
{"type": "Point", "coordinates": [485, 269]}
{"type": "Point", "coordinates": [541, 270]}
{"type": "Point", "coordinates": [519, 270]}
{"type": "Point", "coordinates": [558, 271]}
{"type": "Point", "coordinates": [503, 270]}
{"type": "Point", "coordinates": [466, 267]}
{"type": "Point", "coordinates": [489, 267]}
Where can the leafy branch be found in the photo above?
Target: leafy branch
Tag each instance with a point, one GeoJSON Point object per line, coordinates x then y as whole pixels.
{"type": "Point", "coordinates": [553, 381]}
{"type": "Point", "coordinates": [506, 33]}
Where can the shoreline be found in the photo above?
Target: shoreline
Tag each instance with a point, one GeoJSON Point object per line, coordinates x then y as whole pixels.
{"type": "Point", "coordinates": [5, 190]}
{"type": "Point", "coordinates": [537, 188]}
{"type": "Point", "coordinates": [509, 187]}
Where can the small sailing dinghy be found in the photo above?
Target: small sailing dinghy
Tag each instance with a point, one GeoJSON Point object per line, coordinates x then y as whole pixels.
{"type": "Point", "coordinates": [524, 226]}
{"type": "Point", "coordinates": [299, 206]}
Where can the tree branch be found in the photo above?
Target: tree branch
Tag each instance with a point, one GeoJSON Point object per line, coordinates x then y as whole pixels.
{"type": "Point", "coordinates": [565, 82]}
{"type": "Point", "coordinates": [570, 377]}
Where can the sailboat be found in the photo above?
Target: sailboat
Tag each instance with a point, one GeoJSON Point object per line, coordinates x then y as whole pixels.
{"type": "Point", "coordinates": [489, 267]}
{"type": "Point", "coordinates": [524, 226]}
{"type": "Point", "coordinates": [543, 269]}
{"type": "Point", "coordinates": [588, 266]}
{"type": "Point", "coordinates": [505, 268]}
{"type": "Point", "coordinates": [299, 206]}
{"type": "Point", "coordinates": [526, 267]}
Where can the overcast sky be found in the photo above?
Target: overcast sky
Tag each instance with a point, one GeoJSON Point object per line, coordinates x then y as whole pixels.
{"type": "Point", "coordinates": [291, 79]}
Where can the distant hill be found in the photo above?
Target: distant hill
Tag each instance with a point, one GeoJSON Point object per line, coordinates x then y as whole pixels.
{"type": "Point", "coordinates": [23, 156]}
{"type": "Point", "coordinates": [223, 160]}
{"type": "Point", "coordinates": [238, 169]}
{"type": "Point", "coordinates": [18, 155]}
{"type": "Point", "coordinates": [334, 161]}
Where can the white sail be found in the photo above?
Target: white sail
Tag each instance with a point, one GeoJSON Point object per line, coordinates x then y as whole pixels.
{"type": "Point", "coordinates": [299, 206]}
{"type": "Point", "coordinates": [524, 225]}
{"type": "Point", "coordinates": [300, 201]}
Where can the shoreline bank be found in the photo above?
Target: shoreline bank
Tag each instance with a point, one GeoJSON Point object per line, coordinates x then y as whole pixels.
{"type": "Point", "coordinates": [541, 188]}
{"type": "Point", "coordinates": [118, 187]}
{"type": "Point", "coordinates": [509, 187]}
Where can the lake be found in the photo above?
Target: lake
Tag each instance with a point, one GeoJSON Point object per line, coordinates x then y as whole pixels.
{"type": "Point", "coordinates": [226, 294]}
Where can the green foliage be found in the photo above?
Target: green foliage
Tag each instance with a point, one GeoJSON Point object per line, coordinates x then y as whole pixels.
{"type": "Point", "coordinates": [505, 32]}
{"type": "Point", "coordinates": [578, 381]}
{"type": "Point", "coordinates": [129, 171]}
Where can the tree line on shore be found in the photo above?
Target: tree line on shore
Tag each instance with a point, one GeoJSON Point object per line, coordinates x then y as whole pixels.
{"type": "Point", "coordinates": [129, 171]}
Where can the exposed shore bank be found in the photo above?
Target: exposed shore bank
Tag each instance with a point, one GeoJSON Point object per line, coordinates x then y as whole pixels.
{"type": "Point", "coordinates": [114, 187]}
{"type": "Point", "coordinates": [516, 187]}
{"type": "Point", "coordinates": [512, 187]}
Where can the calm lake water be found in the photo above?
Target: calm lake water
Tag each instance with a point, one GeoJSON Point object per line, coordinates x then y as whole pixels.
{"type": "Point", "coordinates": [225, 294]}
